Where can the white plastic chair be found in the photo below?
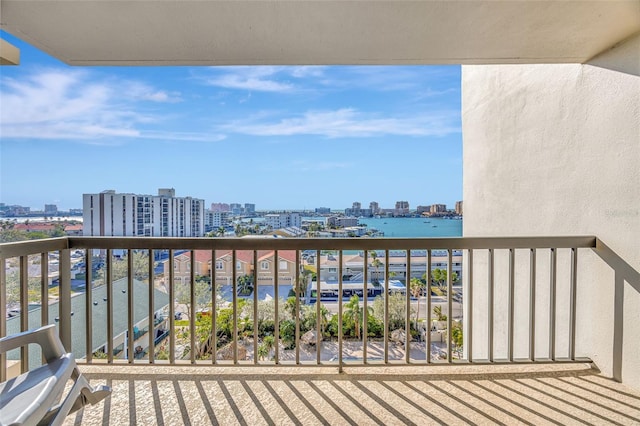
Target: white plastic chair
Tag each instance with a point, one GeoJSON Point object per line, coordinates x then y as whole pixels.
{"type": "Point", "coordinates": [35, 397]}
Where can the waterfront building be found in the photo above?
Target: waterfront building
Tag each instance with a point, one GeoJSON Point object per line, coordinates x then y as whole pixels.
{"type": "Point", "coordinates": [402, 208]}
{"type": "Point", "coordinates": [438, 208]}
{"type": "Point", "coordinates": [341, 222]}
{"type": "Point", "coordinates": [124, 214]}
{"type": "Point", "coordinates": [459, 208]}
{"type": "Point", "coordinates": [283, 220]}
{"type": "Point", "coordinates": [235, 208]}
{"type": "Point", "coordinates": [374, 207]}
{"type": "Point", "coordinates": [323, 210]}
{"type": "Point", "coordinates": [50, 209]}
{"type": "Point", "coordinates": [355, 210]}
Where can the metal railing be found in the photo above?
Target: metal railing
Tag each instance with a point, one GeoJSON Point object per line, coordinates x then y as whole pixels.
{"type": "Point", "coordinates": [242, 332]}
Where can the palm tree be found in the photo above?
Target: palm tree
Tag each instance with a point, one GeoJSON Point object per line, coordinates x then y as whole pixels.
{"type": "Point", "coordinates": [416, 287]}
{"type": "Point", "coordinates": [245, 285]}
{"type": "Point", "coordinates": [354, 313]}
{"type": "Point", "coordinates": [375, 263]}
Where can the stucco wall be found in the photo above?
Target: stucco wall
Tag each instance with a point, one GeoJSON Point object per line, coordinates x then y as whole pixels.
{"type": "Point", "coordinates": [555, 150]}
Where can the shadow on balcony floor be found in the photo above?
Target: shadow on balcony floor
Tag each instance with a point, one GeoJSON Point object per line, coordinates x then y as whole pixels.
{"type": "Point", "coordinates": [531, 394]}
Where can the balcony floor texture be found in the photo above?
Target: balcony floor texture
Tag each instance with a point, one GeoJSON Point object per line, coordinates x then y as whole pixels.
{"type": "Point", "coordinates": [489, 394]}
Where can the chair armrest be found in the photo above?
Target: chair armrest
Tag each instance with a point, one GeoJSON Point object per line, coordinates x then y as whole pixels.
{"type": "Point", "coordinates": [45, 336]}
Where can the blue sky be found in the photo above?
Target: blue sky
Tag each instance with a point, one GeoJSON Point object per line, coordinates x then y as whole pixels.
{"type": "Point", "coordinates": [279, 137]}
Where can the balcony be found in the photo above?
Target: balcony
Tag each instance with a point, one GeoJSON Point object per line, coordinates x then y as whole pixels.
{"type": "Point", "coordinates": [509, 345]}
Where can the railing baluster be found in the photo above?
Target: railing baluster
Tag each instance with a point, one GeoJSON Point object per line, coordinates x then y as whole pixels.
{"type": "Point", "coordinates": [276, 300]}
{"type": "Point", "coordinates": [44, 289]}
{"type": "Point", "coordinates": [469, 298]}
{"type": "Point", "coordinates": [296, 283]}
{"type": "Point", "coordinates": [319, 319]}
{"type": "Point", "coordinates": [386, 307]}
{"type": "Point", "coordinates": [428, 317]}
{"type": "Point", "coordinates": [449, 306]}
{"type": "Point", "coordinates": [214, 310]}
{"type": "Point", "coordinates": [172, 313]}
{"type": "Point", "coordinates": [193, 310]}
{"type": "Point", "coordinates": [108, 264]}
{"type": "Point", "coordinates": [234, 296]}
{"type": "Point", "coordinates": [65, 299]}
{"type": "Point", "coordinates": [572, 301]}
{"type": "Point", "coordinates": [340, 311]}
{"type": "Point", "coordinates": [88, 288]}
{"type": "Point", "coordinates": [152, 318]}
{"type": "Point", "coordinates": [407, 319]}
{"type": "Point", "coordinates": [490, 309]}
{"type": "Point", "coordinates": [3, 314]}
{"type": "Point", "coordinates": [24, 309]}
{"type": "Point", "coordinates": [552, 305]}
{"type": "Point", "coordinates": [255, 307]}
{"type": "Point", "coordinates": [365, 291]}
{"type": "Point", "coordinates": [511, 301]}
{"type": "Point", "coordinates": [532, 305]}
{"type": "Point", "coordinates": [130, 308]}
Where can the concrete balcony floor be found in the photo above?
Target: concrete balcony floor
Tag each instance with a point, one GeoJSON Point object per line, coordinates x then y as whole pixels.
{"type": "Point", "coordinates": [496, 394]}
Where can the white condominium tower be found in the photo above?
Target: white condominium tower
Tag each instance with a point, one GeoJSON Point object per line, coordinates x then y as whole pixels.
{"type": "Point", "coordinates": [164, 215]}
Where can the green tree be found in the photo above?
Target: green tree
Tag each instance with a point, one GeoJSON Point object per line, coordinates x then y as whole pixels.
{"type": "Point", "coordinates": [245, 285]}
{"type": "Point", "coordinates": [120, 268]}
{"type": "Point", "coordinates": [457, 337]}
{"type": "Point", "coordinates": [202, 296]}
{"type": "Point", "coordinates": [309, 320]}
{"type": "Point", "coordinates": [416, 287]}
{"type": "Point", "coordinates": [437, 311]}
{"type": "Point", "coordinates": [439, 277]}
{"type": "Point", "coordinates": [397, 309]}
{"type": "Point", "coordinates": [376, 264]}
{"type": "Point", "coordinates": [354, 314]}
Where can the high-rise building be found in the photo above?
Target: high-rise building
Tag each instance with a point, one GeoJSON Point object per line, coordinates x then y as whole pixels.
{"type": "Point", "coordinates": [50, 209]}
{"type": "Point", "coordinates": [249, 208]}
{"type": "Point", "coordinates": [235, 208]}
{"type": "Point", "coordinates": [438, 208]}
{"type": "Point", "coordinates": [402, 208]}
{"type": "Point", "coordinates": [123, 214]}
{"type": "Point", "coordinates": [355, 210]}
{"type": "Point", "coordinates": [374, 207]}
{"type": "Point", "coordinates": [459, 208]}
{"type": "Point", "coordinates": [220, 207]}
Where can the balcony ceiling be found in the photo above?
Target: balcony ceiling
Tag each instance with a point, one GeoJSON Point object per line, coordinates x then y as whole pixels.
{"type": "Point", "coordinates": [247, 32]}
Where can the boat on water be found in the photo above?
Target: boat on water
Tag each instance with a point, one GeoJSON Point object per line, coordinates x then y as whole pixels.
{"type": "Point", "coordinates": [434, 226]}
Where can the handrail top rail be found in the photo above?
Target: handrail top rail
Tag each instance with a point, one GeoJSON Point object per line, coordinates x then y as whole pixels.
{"type": "Point", "coordinates": [163, 243]}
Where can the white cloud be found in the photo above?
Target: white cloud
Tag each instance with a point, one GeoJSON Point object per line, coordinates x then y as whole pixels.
{"type": "Point", "coordinates": [349, 123]}
{"type": "Point", "coordinates": [250, 78]}
{"type": "Point", "coordinates": [262, 78]}
{"type": "Point", "coordinates": [75, 105]}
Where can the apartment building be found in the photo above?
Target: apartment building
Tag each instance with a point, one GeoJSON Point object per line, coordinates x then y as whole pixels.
{"type": "Point", "coordinates": [125, 214]}
{"type": "Point", "coordinates": [215, 219]}
{"type": "Point", "coordinates": [402, 208]}
{"type": "Point", "coordinates": [342, 222]}
{"type": "Point", "coordinates": [283, 220]}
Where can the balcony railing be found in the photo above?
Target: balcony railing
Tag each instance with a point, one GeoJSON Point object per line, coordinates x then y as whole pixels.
{"type": "Point", "coordinates": [505, 308]}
